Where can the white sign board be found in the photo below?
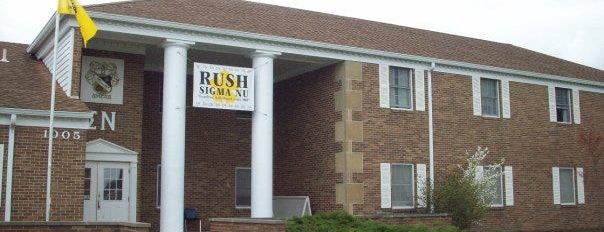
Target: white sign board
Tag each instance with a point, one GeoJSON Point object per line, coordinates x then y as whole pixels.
{"type": "Point", "coordinates": [102, 80]}
{"type": "Point", "coordinates": [223, 87]}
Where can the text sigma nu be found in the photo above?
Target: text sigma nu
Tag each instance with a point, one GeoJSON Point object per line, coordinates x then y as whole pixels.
{"type": "Point", "coordinates": [223, 84]}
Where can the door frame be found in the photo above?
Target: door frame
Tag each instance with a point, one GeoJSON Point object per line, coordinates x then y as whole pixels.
{"type": "Point", "coordinates": [101, 150]}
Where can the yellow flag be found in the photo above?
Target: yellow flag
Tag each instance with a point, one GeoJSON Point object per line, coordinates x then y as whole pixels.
{"type": "Point", "coordinates": [87, 27]}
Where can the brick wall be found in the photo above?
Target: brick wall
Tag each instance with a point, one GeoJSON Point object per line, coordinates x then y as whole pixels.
{"type": "Point", "coordinates": [528, 141]}
{"type": "Point", "coordinates": [72, 227]}
{"type": "Point", "coordinates": [304, 138]}
{"type": "Point", "coordinates": [390, 136]}
{"type": "Point", "coordinates": [246, 227]}
{"type": "Point", "coordinates": [29, 175]}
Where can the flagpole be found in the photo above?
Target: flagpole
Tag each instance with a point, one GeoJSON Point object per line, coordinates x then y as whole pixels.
{"type": "Point", "coordinates": [52, 116]}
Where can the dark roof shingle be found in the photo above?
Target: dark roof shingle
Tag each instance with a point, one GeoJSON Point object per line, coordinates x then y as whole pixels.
{"type": "Point", "coordinates": [308, 25]}
{"type": "Point", "coordinates": [26, 83]}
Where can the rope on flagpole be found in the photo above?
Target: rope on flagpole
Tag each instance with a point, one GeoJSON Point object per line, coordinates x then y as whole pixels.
{"type": "Point", "coordinates": [52, 117]}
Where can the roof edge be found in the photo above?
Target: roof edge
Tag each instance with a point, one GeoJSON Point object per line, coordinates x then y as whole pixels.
{"type": "Point", "coordinates": [171, 26]}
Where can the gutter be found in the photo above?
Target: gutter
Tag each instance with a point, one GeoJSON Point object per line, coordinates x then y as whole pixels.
{"type": "Point", "coordinates": [431, 133]}
{"type": "Point", "coordinates": [9, 168]}
{"type": "Point", "coordinates": [46, 113]}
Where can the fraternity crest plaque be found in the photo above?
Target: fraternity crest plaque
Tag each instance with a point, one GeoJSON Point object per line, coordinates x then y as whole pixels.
{"type": "Point", "coordinates": [102, 80]}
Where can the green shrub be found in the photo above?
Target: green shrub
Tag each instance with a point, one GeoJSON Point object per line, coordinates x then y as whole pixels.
{"type": "Point", "coordinates": [342, 222]}
{"type": "Point", "coordinates": [461, 199]}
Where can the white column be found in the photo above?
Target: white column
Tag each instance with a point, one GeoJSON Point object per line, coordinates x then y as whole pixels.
{"type": "Point", "coordinates": [262, 135]}
{"type": "Point", "coordinates": [173, 135]}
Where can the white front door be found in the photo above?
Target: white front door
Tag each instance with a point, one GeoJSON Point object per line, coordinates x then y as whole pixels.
{"type": "Point", "coordinates": [106, 192]}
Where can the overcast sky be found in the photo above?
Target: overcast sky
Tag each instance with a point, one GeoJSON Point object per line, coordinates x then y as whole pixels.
{"type": "Point", "coordinates": [568, 29]}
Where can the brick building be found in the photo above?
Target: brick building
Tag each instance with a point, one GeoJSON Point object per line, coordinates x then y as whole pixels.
{"type": "Point", "coordinates": [360, 116]}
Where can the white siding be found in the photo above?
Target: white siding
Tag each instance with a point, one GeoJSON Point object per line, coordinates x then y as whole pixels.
{"type": "Point", "coordinates": [576, 106]}
{"type": "Point", "coordinates": [505, 98]}
{"type": "Point", "coordinates": [556, 184]}
{"type": "Point", "coordinates": [64, 60]}
{"type": "Point", "coordinates": [580, 187]}
{"type": "Point", "coordinates": [384, 83]}
{"type": "Point", "coordinates": [385, 185]}
{"type": "Point", "coordinates": [476, 96]}
{"type": "Point", "coordinates": [421, 184]}
{"type": "Point", "coordinates": [509, 186]}
{"type": "Point", "coordinates": [420, 93]}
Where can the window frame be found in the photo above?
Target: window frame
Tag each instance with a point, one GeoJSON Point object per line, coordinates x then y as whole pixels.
{"type": "Point", "coordinates": [484, 169]}
{"type": "Point", "coordinates": [574, 184]}
{"type": "Point", "coordinates": [158, 186]}
{"type": "Point", "coordinates": [242, 206]}
{"type": "Point", "coordinates": [412, 186]}
{"type": "Point", "coordinates": [390, 86]}
{"type": "Point", "coordinates": [497, 93]}
{"type": "Point", "coordinates": [570, 104]}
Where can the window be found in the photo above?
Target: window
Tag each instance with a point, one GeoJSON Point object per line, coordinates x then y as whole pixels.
{"type": "Point", "coordinates": [402, 186]}
{"type": "Point", "coordinates": [241, 114]}
{"type": "Point", "coordinates": [400, 88]}
{"type": "Point", "coordinates": [113, 184]}
{"type": "Point", "coordinates": [489, 97]}
{"type": "Point", "coordinates": [87, 179]}
{"type": "Point", "coordinates": [567, 186]}
{"type": "Point", "coordinates": [243, 187]}
{"type": "Point", "coordinates": [158, 186]}
{"type": "Point", "coordinates": [563, 105]}
{"type": "Point", "coordinates": [496, 187]}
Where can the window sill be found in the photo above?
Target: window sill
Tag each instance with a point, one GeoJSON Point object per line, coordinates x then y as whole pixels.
{"type": "Point", "coordinates": [401, 109]}
{"type": "Point", "coordinates": [565, 123]}
{"type": "Point", "coordinates": [403, 208]}
{"type": "Point", "coordinates": [243, 207]}
{"type": "Point", "coordinates": [569, 205]}
{"type": "Point", "coordinates": [490, 116]}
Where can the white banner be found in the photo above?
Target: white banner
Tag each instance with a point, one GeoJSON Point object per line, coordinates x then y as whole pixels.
{"type": "Point", "coordinates": [223, 87]}
{"type": "Point", "coordinates": [102, 80]}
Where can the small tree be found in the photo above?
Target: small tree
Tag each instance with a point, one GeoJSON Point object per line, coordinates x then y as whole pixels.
{"type": "Point", "coordinates": [464, 195]}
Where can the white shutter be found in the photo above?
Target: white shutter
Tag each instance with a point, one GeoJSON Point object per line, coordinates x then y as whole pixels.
{"type": "Point", "coordinates": [509, 186]}
{"type": "Point", "coordinates": [576, 107]}
{"type": "Point", "coordinates": [580, 187]}
{"type": "Point", "coordinates": [556, 184]}
{"type": "Point", "coordinates": [384, 73]}
{"type": "Point", "coordinates": [420, 93]}
{"type": "Point", "coordinates": [385, 185]}
{"type": "Point", "coordinates": [551, 93]}
{"type": "Point", "coordinates": [421, 185]}
{"type": "Point", "coordinates": [505, 98]}
{"type": "Point", "coordinates": [476, 96]}
{"type": "Point", "coordinates": [478, 173]}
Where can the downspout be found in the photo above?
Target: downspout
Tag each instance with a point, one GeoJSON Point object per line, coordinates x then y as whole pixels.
{"type": "Point", "coordinates": [431, 134]}
{"type": "Point", "coordinates": [9, 167]}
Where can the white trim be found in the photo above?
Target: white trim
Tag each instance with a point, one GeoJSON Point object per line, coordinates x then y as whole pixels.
{"type": "Point", "coordinates": [40, 118]}
{"type": "Point", "coordinates": [385, 186]}
{"type": "Point", "coordinates": [476, 96]}
{"type": "Point", "coordinates": [117, 153]}
{"type": "Point", "coordinates": [580, 186]}
{"type": "Point", "coordinates": [576, 106]}
{"type": "Point", "coordinates": [420, 91]}
{"type": "Point", "coordinates": [164, 29]}
{"type": "Point", "coordinates": [509, 186]}
{"type": "Point", "coordinates": [556, 185]}
{"type": "Point", "coordinates": [505, 98]}
{"type": "Point", "coordinates": [421, 185]}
